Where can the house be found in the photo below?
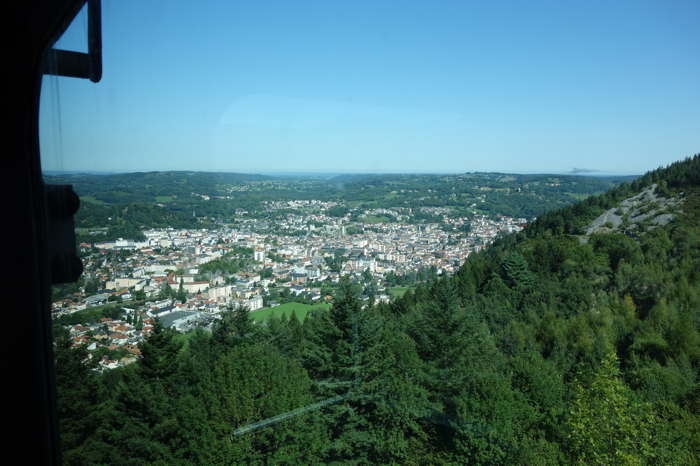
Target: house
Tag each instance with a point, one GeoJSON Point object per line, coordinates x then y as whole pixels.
{"type": "Point", "coordinates": [118, 338]}
{"type": "Point", "coordinates": [78, 329]}
{"type": "Point", "coordinates": [96, 300]}
{"type": "Point", "coordinates": [122, 283]}
{"type": "Point", "coordinates": [220, 292]}
{"type": "Point", "coordinates": [254, 303]}
{"type": "Point", "coordinates": [313, 272]}
{"type": "Point", "coordinates": [195, 287]}
{"type": "Point", "coordinates": [133, 349]}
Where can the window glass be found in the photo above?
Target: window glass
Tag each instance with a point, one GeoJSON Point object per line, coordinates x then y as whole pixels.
{"type": "Point", "coordinates": [379, 232]}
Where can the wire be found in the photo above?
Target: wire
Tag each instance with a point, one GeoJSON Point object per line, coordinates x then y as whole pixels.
{"type": "Point", "coordinates": [281, 417]}
{"type": "Point", "coordinates": [328, 401]}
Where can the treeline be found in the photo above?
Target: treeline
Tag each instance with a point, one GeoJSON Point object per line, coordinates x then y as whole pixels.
{"type": "Point", "coordinates": [540, 350]}
{"type": "Point", "coordinates": [230, 263]}
{"type": "Point", "coordinates": [111, 222]}
{"type": "Point", "coordinates": [574, 218]}
{"type": "Point", "coordinates": [140, 187]}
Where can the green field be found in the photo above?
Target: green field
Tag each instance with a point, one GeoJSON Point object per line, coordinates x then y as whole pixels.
{"type": "Point", "coordinates": [184, 339]}
{"type": "Point", "coordinates": [286, 309]}
{"type": "Point", "coordinates": [164, 198]}
{"type": "Point", "coordinates": [374, 219]}
{"type": "Point", "coordinates": [91, 200]}
{"type": "Point", "coordinates": [398, 291]}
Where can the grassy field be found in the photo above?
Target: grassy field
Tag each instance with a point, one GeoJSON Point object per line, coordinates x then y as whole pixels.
{"type": "Point", "coordinates": [398, 291]}
{"type": "Point", "coordinates": [286, 309]}
{"type": "Point", "coordinates": [184, 339]}
{"type": "Point", "coordinates": [164, 198]}
{"type": "Point", "coordinates": [91, 200]}
{"type": "Point", "coordinates": [374, 219]}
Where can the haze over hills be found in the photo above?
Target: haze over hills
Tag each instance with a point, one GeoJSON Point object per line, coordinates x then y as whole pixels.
{"type": "Point", "coordinates": [186, 198]}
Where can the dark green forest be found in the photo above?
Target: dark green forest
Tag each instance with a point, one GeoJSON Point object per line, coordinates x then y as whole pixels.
{"type": "Point", "coordinates": [545, 348]}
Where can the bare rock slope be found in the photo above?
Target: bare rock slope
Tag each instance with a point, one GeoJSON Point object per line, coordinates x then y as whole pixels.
{"type": "Point", "coordinates": [638, 213]}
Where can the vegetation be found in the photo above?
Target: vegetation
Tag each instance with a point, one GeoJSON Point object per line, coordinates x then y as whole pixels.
{"type": "Point", "coordinates": [398, 291]}
{"type": "Point", "coordinates": [542, 349]}
{"type": "Point", "coordinates": [122, 205]}
{"type": "Point", "coordinates": [228, 264]}
{"type": "Point", "coordinates": [91, 315]}
{"type": "Point", "coordinates": [285, 311]}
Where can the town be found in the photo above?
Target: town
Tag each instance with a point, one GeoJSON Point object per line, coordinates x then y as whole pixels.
{"type": "Point", "coordinates": [186, 278]}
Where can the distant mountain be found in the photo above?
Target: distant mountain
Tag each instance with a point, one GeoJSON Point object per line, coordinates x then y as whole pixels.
{"type": "Point", "coordinates": [581, 171]}
{"type": "Point", "coordinates": [125, 203]}
{"type": "Point", "coordinates": [144, 186]}
{"type": "Point", "coordinates": [78, 172]}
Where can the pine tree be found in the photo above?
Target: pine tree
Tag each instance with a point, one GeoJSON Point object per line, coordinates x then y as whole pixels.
{"type": "Point", "coordinates": [292, 338]}
{"type": "Point", "coordinates": [388, 397]}
{"type": "Point", "coordinates": [159, 354]}
{"type": "Point", "coordinates": [516, 269]}
{"type": "Point", "coordinates": [438, 327]}
{"type": "Point", "coordinates": [332, 349]}
{"type": "Point", "coordinates": [234, 327]}
{"type": "Point", "coordinates": [181, 295]}
{"type": "Point", "coordinates": [242, 323]}
{"type": "Point", "coordinates": [77, 398]}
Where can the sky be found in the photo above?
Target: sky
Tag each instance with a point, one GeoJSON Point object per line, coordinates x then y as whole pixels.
{"type": "Point", "coordinates": [379, 86]}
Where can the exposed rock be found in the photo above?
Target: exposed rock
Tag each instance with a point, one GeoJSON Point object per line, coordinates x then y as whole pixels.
{"type": "Point", "coordinates": [643, 211]}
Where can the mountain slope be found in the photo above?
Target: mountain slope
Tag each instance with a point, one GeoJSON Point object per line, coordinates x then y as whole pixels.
{"type": "Point", "coordinates": [598, 344]}
{"type": "Point", "coordinates": [542, 349]}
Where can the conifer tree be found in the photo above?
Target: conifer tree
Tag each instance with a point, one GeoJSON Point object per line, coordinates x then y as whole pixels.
{"type": "Point", "coordinates": [77, 398]}
{"type": "Point", "coordinates": [291, 338]}
{"type": "Point", "coordinates": [516, 269]}
{"type": "Point", "coordinates": [389, 397]}
{"type": "Point", "coordinates": [181, 295]}
{"type": "Point", "coordinates": [159, 354]}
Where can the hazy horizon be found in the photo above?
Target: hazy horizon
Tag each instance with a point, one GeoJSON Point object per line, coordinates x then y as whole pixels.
{"type": "Point", "coordinates": [282, 173]}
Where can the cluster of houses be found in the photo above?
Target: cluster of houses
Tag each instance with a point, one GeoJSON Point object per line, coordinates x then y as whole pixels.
{"type": "Point", "coordinates": [164, 269]}
{"type": "Point", "coordinates": [109, 337]}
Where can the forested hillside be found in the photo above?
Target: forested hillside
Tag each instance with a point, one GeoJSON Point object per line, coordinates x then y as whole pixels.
{"type": "Point", "coordinates": [552, 346]}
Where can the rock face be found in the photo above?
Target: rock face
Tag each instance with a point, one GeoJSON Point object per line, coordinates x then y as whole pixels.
{"type": "Point", "coordinates": [636, 214]}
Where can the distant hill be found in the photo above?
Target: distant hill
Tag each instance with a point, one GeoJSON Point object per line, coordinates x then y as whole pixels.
{"type": "Point", "coordinates": [126, 203]}
{"type": "Point", "coordinates": [144, 186]}
{"type": "Point", "coordinates": [576, 218]}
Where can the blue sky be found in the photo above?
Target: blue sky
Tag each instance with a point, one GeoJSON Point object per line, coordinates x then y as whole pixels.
{"type": "Point", "coordinates": [410, 86]}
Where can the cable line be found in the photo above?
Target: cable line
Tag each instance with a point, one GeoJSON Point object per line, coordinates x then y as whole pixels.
{"type": "Point", "coordinates": [281, 417]}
